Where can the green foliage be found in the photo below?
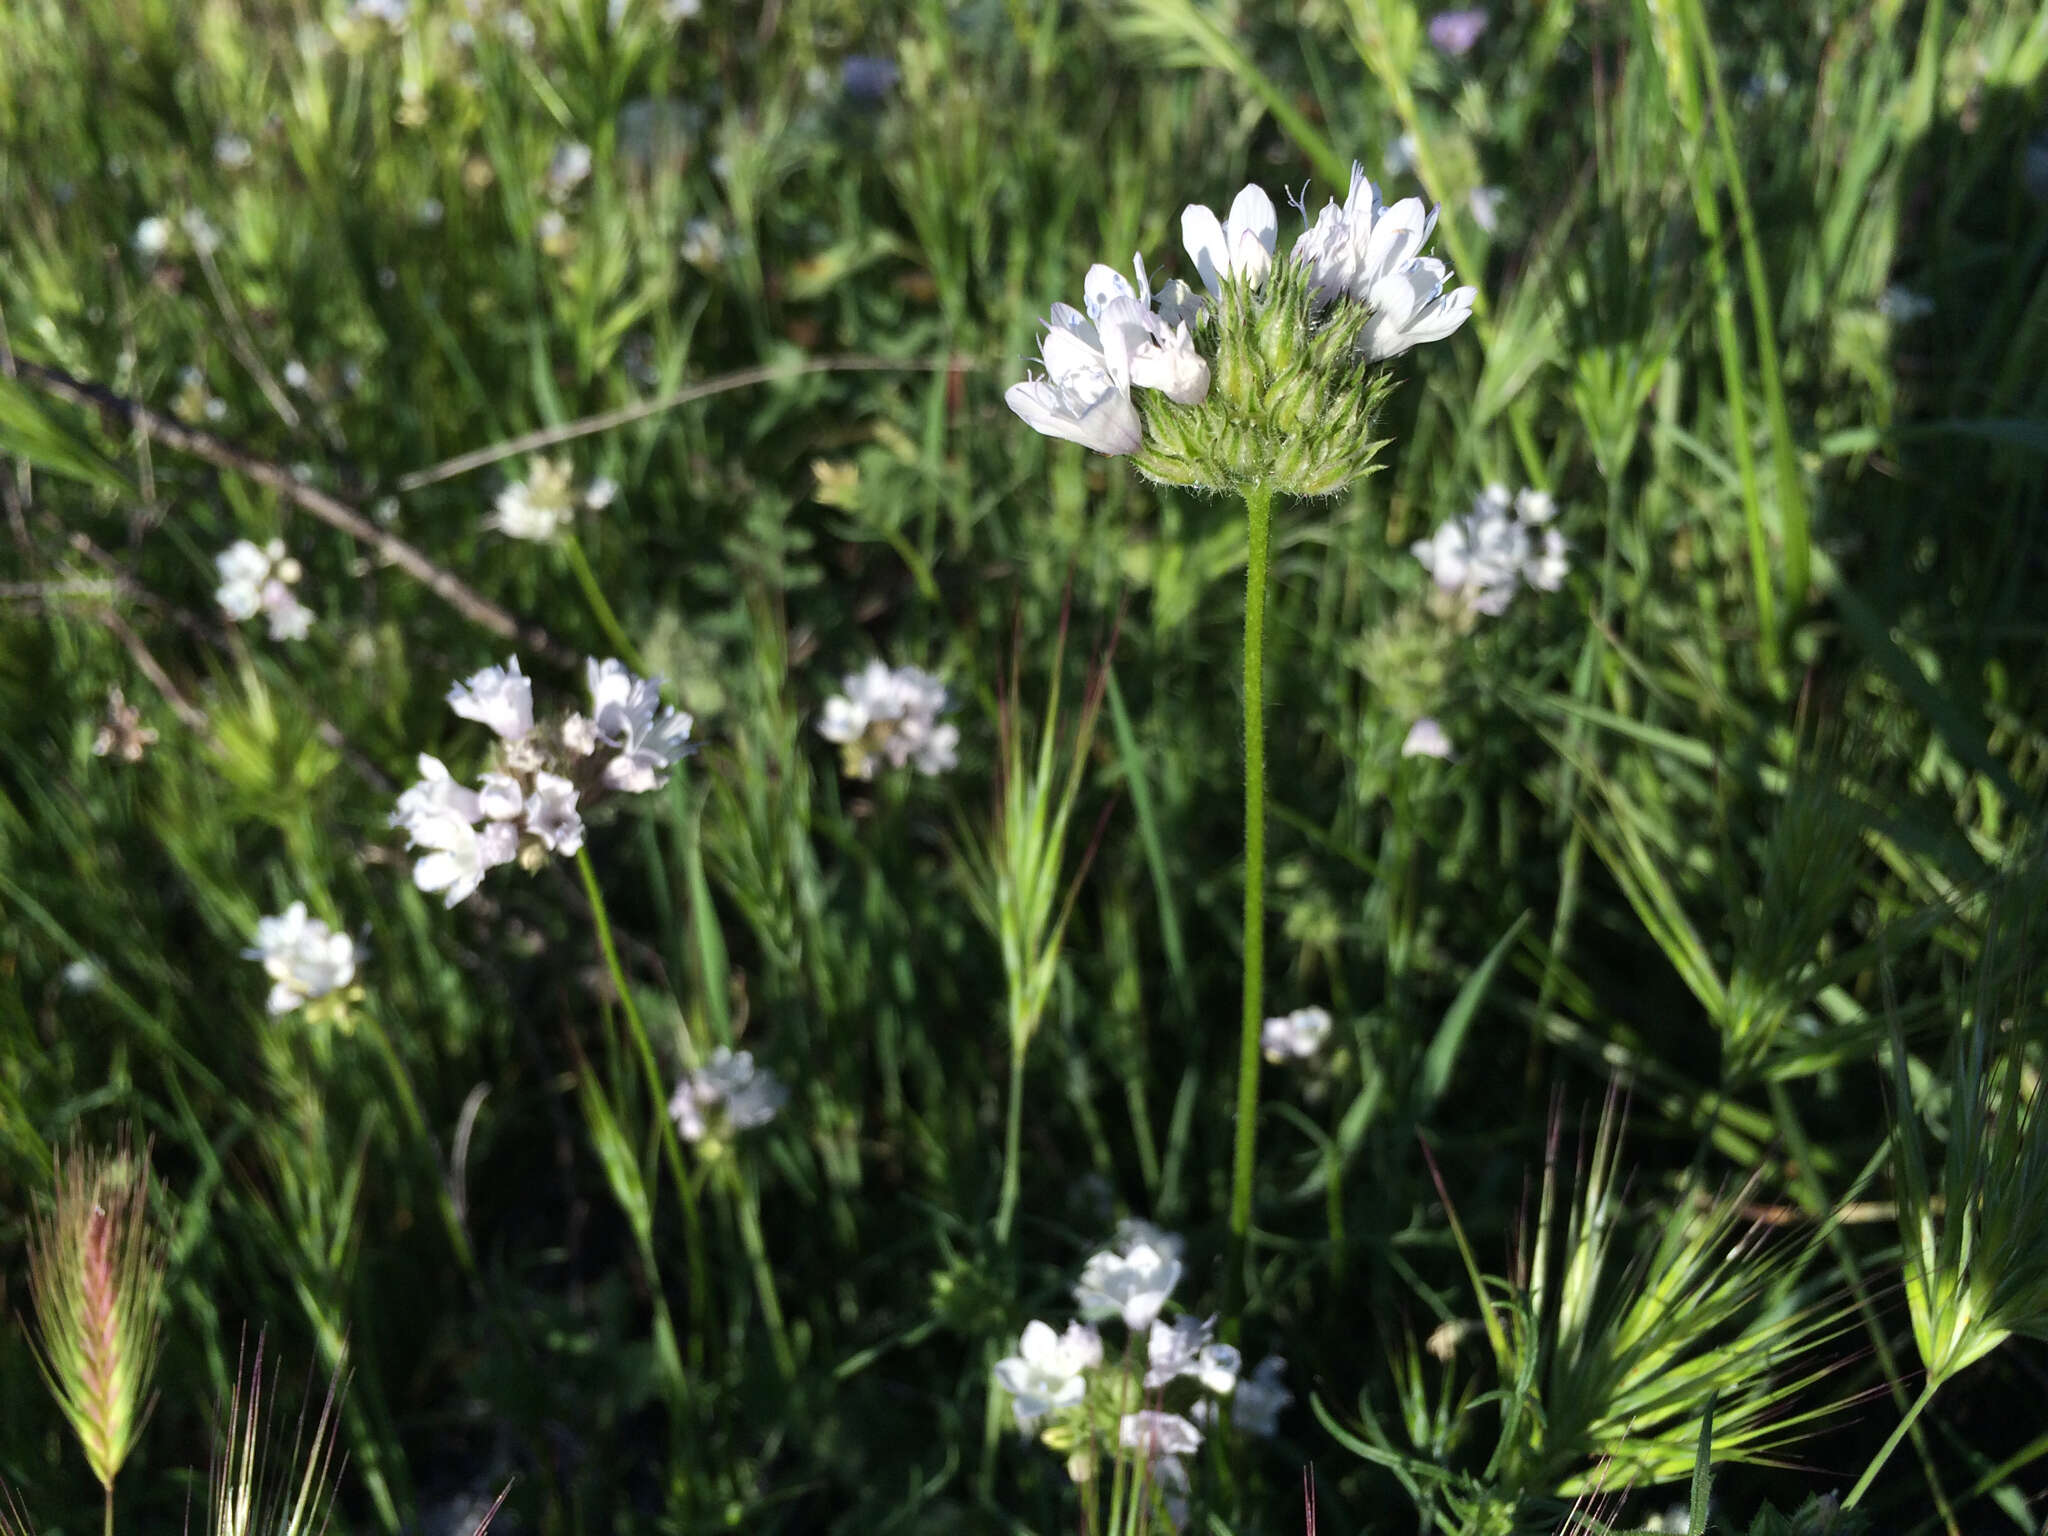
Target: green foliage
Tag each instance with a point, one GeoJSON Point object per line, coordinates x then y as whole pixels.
{"type": "Point", "coordinates": [1738, 817]}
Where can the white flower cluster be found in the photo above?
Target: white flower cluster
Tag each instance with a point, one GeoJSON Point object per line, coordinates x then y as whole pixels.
{"type": "Point", "coordinates": [302, 956]}
{"type": "Point", "coordinates": [1485, 557]}
{"type": "Point", "coordinates": [546, 501]}
{"type": "Point", "coordinates": [529, 807]}
{"type": "Point", "coordinates": [726, 1095]}
{"type": "Point", "coordinates": [890, 714]}
{"type": "Point", "coordinates": [1062, 1378]}
{"type": "Point", "coordinates": [1295, 1036]}
{"type": "Point", "coordinates": [1427, 738]}
{"type": "Point", "coordinates": [568, 169]}
{"type": "Point", "coordinates": [1361, 250]}
{"type": "Point", "coordinates": [259, 579]}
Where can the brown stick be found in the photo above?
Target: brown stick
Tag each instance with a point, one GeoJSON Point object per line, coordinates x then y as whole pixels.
{"type": "Point", "coordinates": [119, 412]}
{"type": "Point", "coordinates": [640, 410]}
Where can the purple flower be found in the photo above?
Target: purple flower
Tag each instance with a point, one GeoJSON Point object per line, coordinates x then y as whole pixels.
{"type": "Point", "coordinates": [1454, 32]}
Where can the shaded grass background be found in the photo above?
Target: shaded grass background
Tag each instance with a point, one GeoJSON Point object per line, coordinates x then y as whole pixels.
{"type": "Point", "coordinates": [1742, 787]}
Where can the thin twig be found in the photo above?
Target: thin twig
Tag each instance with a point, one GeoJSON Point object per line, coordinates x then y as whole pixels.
{"type": "Point", "coordinates": [192, 719]}
{"type": "Point", "coordinates": [625, 415]}
{"type": "Point", "coordinates": [119, 410]}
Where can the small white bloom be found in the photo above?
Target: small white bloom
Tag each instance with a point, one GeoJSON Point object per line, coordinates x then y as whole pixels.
{"type": "Point", "coordinates": [1162, 351]}
{"type": "Point", "coordinates": [1485, 204]}
{"type": "Point", "coordinates": [579, 736]}
{"type": "Point", "coordinates": [499, 697]}
{"type": "Point", "coordinates": [537, 507]}
{"type": "Point", "coordinates": [1186, 1347]}
{"type": "Point", "coordinates": [1133, 1285]}
{"type": "Point", "coordinates": [1158, 1434]}
{"type": "Point", "coordinates": [1048, 1371]}
{"type": "Point", "coordinates": [890, 714]}
{"type": "Point", "coordinates": [600, 493]}
{"type": "Point", "coordinates": [1426, 738]}
{"type": "Point", "coordinates": [430, 212]}
{"type": "Point", "coordinates": [232, 152]}
{"type": "Point", "coordinates": [569, 169]}
{"type": "Point", "coordinates": [1135, 1231]}
{"type": "Point", "coordinates": [500, 797]}
{"type": "Point", "coordinates": [436, 793]}
{"type": "Point", "coordinates": [289, 618]}
{"type": "Point", "coordinates": [726, 1093]}
{"type": "Point", "coordinates": [295, 374]}
{"type": "Point", "coordinates": [303, 957]}
{"type": "Point", "coordinates": [1243, 247]}
{"type": "Point", "coordinates": [551, 814]}
{"type": "Point", "coordinates": [626, 713]}
{"type": "Point", "coordinates": [1294, 1036]}
{"type": "Point", "coordinates": [1487, 555]}
{"type": "Point", "coordinates": [152, 237]}
{"type": "Point", "coordinates": [1085, 396]}
{"type": "Point", "coordinates": [703, 243]}
{"type": "Point", "coordinates": [1260, 1398]}
{"type": "Point", "coordinates": [454, 864]}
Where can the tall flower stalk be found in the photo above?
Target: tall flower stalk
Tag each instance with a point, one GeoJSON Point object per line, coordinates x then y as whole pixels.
{"type": "Point", "coordinates": [96, 1278]}
{"type": "Point", "coordinates": [1266, 382]}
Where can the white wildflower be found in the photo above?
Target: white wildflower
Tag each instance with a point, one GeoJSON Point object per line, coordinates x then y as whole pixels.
{"type": "Point", "coordinates": [296, 375]}
{"type": "Point", "coordinates": [1187, 1347]}
{"type": "Point", "coordinates": [232, 152]}
{"type": "Point", "coordinates": [152, 237]}
{"type": "Point", "coordinates": [1242, 247]}
{"type": "Point", "coordinates": [1294, 1036]}
{"type": "Point", "coordinates": [1162, 352]}
{"type": "Point", "coordinates": [1158, 1434]}
{"type": "Point", "coordinates": [435, 793]}
{"type": "Point", "coordinates": [302, 956]}
{"type": "Point", "coordinates": [500, 797]}
{"type": "Point", "coordinates": [1426, 738]}
{"type": "Point", "coordinates": [1085, 396]}
{"type": "Point", "coordinates": [890, 714]}
{"type": "Point", "coordinates": [537, 507]}
{"type": "Point", "coordinates": [551, 814]}
{"type": "Point", "coordinates": [1135, 1231]}
{"type": "Point", "coordinates": [1133, 1285]}
{"type": "Point", "coordinates": [1486, 556]}
{"type": "Point", "coordinates": [626, 713]}
{"type": "Point", "coordinates": [726, 1094]}
{"type": "Point", "coordinates": [1260, 1399]}
{"type": "Point", "coordinates": [1048, 1371]}
{"type": "Point", "coordinates": [703, 243]}
{"type": "Point", "coordinates": [569, 169]}
{"type": "Point", "coordinates": [499, 697]}
{"type": "Point", "coordinates": [243, 567]}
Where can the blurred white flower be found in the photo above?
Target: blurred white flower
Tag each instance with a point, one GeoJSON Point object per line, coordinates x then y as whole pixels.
{"type": "Point", "coordinates": [1294, 1036]}
{"type": "Point", "coordinates": [519, 30]}
{"type": "Point", "coordinates": [1134, 1231]}
{"type": "Point", "coordinates": [295, 374]}
{"type": "Point", "coordinates": [569, 169]}
{"type": "Point", "coordinates": [551, 814]}
{"type": "Point", "coordinates": [890, 714]}
{"type": "Point", "coordinates": [1158, 1434]}
{"type": "Point", "coordinates": [726, 1094]}
{"type": "Point", "coordinates": [703, 243]}
{"type": "Point", "coordinates": [257, 580]}
{"type": "Point", "coordinates": [537, 507]}
{"type": "Point", "coordinates": [1487, 555]}
{"type": "Point", "coordinates": [1049, 1370]}
{"type": "Point", "coordinates": [389, 13]}
{"type": "Point", "coordinates": [626, 713]}
{"type": "Point", "coordinates": [1243, 247]}
{"type": "Point", "coordinates": [1133, 1285]}
{"type": "Point", "coordinates": [289, 618]}
{"type": "Point", "coordinates": [1484, 204]}
{"type": "Point", "coordinates": [458, 855]}
{"type": "Point", "coordinates": [302, 956]}
{"type": "Point", "coordinates": [1186, 1347]}
{"type": "Point", "coordinates": [153, 237]}
{"type": "Point", "coordinates": [232, 152]}
{"type": "Point", "coordinates": [1455, 32]}
{"type": "Point", "coordinates": [600, 493]}
{"type": "Point", "coordinates": [579, 736]}
{"type": "Point", "coordinates": [1260, 1399]}
{"type": "Point", "coordinates": [1426, 738]}
{"type": "Point", "coordinates": [499, 797]}
{"type": "Point", "coordinates": [436, 792]}
{"type": "Point", "coordinates": [430, 212]}
{"type": "Point", "coordinates": [499, 697]}
{"type": "Point", "coordinates": [1399, 159]}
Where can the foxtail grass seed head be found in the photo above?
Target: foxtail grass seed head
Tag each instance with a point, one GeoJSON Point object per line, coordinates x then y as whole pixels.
{"type": "Point", "coordinates": [258, 579]}
{"type": "Point", "coordinates": [304, 958]}
{"type": "Point", "coordinates": [529, 805]}
{"type": "Point", "coordinates": [1267, 377]}
{"type": "Point", "coordinates": [96, 1280]}
{"type": "Point", "coordinates": [890, 715]}
{"type": "Point", "coordinates": [725, 1096]}
{"type": "Point", "coordinates": [247, 1498]}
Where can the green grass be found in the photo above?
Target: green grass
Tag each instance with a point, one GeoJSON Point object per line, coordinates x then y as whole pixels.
{"type": "Point", "coordinates": [1738, 821]}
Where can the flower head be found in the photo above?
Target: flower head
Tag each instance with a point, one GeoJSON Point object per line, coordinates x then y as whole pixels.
{"type": "Point", "coordinates": [726, 1094]}
{"type": "Point", "coordinates": [1186, 1347]}
{"type": "Point", "coordinates": [499, 697]}
{"type": "Point", "coordinates": [542, 505]}
{"type": "Point", "coordinates": [890, 715]}
{"type": "Point", "coordinates": [1482, 559]}
{"type": "Point", "coordinates": [1048, 1371]}
{"type": "Point", "coordinates": [626, 713]}
{"type": "Point", "coordinates": [303, 957]}
{"type": "Point", "coordinates": [1294, 1036]}
{"type": "Point", "coordinates": [1158, 1434]}
{"type": "Point", "coordinates": [1426, 738]}
{"type": "Point", "coordinates": [259, 579]}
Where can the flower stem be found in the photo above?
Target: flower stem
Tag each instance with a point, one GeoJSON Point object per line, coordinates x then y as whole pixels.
{"type": "Point", "coordinates": [107, 1524]}
{"type": "Point", "coordinates": [746, 1211]}
{"type": "Point", "coordinates": [1884, 1452]}
{"type": "Point", "coordinates": [1258, 505]}
{"type": "Point", "coordinates": [593, 594]}
{"type": "Point", "coordinates": [1006, 1207]}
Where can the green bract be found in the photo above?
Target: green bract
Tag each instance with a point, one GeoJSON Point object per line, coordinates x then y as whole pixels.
{"type": "Point", "coordinates": [1292, 398]}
